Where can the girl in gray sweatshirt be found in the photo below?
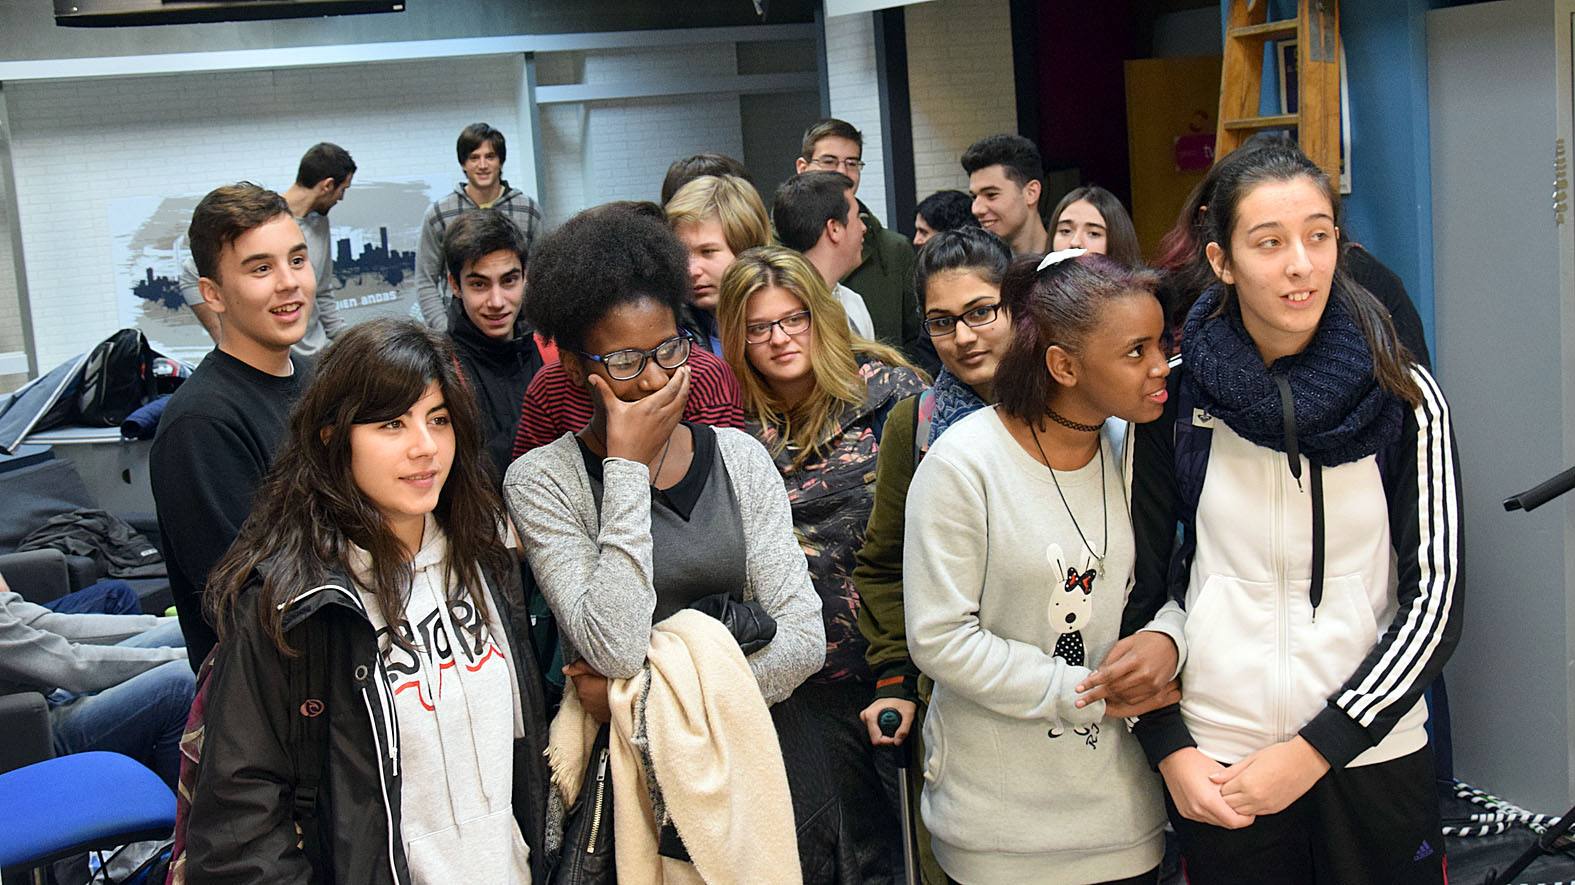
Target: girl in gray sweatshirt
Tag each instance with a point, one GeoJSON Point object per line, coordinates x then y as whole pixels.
{"type": "Point", "coordinates": [1018, 571]}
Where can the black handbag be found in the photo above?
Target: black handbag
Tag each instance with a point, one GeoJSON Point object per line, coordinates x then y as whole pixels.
{"type": "Point", "coordinates": [586, 857]}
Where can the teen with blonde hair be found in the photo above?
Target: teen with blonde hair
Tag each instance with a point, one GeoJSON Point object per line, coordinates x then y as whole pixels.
{"type": "Point", "coordinates": [716, 217]}
{"type": "Point", "coordinates": [818, 396]}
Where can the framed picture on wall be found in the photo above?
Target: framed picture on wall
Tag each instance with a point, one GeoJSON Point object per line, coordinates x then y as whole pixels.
{"type": "Point", "coordinates": [1285, 57]}
{"type": "Point", "coordinates": [1286, 63]}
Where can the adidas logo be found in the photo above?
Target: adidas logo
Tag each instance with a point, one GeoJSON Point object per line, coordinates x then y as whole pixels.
{"type": "Point", "coordinates": [1423, 853]}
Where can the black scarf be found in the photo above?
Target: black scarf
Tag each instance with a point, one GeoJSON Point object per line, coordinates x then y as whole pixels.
{"type": "Point", "coordinates": [498, 372]}
{"type": "Point", "coordinates": [1335, 412]}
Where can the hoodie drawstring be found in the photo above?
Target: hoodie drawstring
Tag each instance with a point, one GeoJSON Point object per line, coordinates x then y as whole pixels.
{"type": "Point", "coordinates": [470, 713]}
{"type": "Point", "coordinates": [1315, 480]}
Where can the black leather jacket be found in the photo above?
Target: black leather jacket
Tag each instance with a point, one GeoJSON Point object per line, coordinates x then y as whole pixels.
{"type": "Point", "coordinates": [241, 830]}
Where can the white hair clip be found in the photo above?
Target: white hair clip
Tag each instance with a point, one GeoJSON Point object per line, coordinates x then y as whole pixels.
{"type": "Point", "coordinates": [1055, 258]}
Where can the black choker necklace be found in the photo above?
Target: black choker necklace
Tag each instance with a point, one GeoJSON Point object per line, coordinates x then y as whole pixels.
{"type": "Point", "coordinates": [1067, 422]}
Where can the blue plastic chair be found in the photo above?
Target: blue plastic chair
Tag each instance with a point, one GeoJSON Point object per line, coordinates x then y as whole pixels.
{"type": "Point", "coordinates": [78, 803]}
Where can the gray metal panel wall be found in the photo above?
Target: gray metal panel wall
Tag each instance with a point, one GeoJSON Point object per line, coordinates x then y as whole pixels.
{"type": "Point", "coordinates": [1497, 104]}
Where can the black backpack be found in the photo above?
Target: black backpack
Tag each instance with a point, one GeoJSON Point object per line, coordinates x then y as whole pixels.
{"type": "Point", "coordinates": [117, 379]}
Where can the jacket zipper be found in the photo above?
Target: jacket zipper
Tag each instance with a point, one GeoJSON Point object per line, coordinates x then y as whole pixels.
{"type": "Point", "coordinates": [388, 723]}
{"type": "Point", "coordinates": [596, 813]}
{"type": "Point", "coordinates": [1281, 607]}
{"type": "Point", "coordinates": [382, 783]}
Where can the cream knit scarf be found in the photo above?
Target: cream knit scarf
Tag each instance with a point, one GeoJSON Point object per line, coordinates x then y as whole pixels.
{"type": "Point", "coordinates": [694, 722]}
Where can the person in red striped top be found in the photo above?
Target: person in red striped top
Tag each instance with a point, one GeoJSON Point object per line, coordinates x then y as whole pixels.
{"type": "Point", "coordinates": [554, 406]}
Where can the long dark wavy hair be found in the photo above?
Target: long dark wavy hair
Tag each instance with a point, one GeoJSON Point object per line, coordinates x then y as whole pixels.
{"type": "Point", "coordinates": [309, 511]}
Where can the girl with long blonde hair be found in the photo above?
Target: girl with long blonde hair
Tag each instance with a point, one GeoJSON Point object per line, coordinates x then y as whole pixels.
{"type": "Point", "coordinates": [817, 396]}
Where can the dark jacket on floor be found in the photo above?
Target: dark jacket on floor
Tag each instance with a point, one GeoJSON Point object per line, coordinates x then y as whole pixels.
{"type": "Point", "coordinates": [119, 550]}
{"type": "Point", "coordinates": [242, 786]}
{"type": "Point", "coordinates": [498, 373]}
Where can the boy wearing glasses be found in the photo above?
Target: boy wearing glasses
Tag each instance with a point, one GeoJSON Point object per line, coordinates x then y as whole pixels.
{"type": "Point", "coordinates": [884, 272]}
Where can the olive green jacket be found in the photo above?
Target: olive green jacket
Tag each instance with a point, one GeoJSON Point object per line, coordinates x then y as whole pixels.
{"type": "Point", "coordinates": [878, 573]}
{"type": "Point", "coordinates": [885, 278]}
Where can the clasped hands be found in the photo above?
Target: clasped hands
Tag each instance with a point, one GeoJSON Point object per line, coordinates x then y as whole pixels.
{"type": "Point", "coordinates": [1264, 782]}
{"type": "Point", "coordinates": [1135, 678]}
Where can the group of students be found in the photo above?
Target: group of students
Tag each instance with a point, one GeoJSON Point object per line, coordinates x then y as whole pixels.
{"type": "Point", "coordinates": [1162, 543]}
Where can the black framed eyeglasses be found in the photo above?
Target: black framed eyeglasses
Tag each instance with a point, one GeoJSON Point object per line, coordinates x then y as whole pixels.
{"type": "Point", "coordinates": [792, 324]}
{"type": "Point", "coordinates": [941, 326]}
{"type": "Point", "coordinates": [625, 365]}
{"type": "Point", "coordinates": [832, 164]}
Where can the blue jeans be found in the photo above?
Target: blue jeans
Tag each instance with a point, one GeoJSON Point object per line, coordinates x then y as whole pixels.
{"type": "Point", "coordinates": [107, 597]}
{"type": "Point", "coordinates": [142, 717]}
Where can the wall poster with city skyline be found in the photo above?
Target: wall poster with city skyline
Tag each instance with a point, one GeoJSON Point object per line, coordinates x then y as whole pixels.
{"type": "Point", "coordinates": [374, 232]}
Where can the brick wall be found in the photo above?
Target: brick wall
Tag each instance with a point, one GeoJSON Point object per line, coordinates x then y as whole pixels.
{"type": "Point", "coordinates": [855, 97]}
{"type": "Point", "coordinates": [80, 145]}
{"type": "Point", "coordinates": [620, 150]}
{"type": "Point", "coordinates": [960, 82]}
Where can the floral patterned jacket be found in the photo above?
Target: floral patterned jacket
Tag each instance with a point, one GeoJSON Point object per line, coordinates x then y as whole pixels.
{"type": "Point", "coordinates": [831, 496]}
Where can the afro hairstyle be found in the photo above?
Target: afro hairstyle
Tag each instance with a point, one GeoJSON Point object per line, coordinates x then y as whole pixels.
{"type": "Point", "coordinates": [601, 258]}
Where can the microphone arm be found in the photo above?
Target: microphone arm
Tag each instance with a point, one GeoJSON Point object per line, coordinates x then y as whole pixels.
{"type": "Point", "coordinates": [1535, 497]}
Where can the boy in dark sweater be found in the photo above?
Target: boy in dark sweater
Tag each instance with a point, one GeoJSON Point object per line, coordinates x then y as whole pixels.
{"type": "Point", "coordinates": [218, 434]}
{"type": "Point", "coordinates": [484, 255]}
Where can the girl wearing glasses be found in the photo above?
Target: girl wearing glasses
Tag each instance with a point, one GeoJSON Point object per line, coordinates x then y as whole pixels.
{"type": "Point", "coordinates": [818, 397]}
{"type": "Point", "coordinates": [639, 514]}
{"type": "Point", "coordinates": [1017, 573]}
{"type": "Point", "coordinates": [959, 278]}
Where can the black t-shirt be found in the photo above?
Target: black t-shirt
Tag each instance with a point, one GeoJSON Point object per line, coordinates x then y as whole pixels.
{"type": "Point", "coordinates": [215, 443]}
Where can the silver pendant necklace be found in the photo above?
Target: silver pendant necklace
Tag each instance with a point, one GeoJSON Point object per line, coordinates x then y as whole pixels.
{"type": "Point", "coordinates": [1104, 503]}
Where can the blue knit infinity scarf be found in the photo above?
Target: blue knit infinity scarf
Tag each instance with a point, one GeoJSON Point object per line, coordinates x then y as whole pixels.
{"type": "Point", "coordinates": [1342, 415]}
{"type": "Point", "coordinates": [954, 401]}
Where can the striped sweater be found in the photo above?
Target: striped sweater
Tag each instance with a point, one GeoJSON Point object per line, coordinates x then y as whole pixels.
{"type": "Point", "coordinates": [553, 407]}
{"type": "Point", "coordinates": [1263, 664]}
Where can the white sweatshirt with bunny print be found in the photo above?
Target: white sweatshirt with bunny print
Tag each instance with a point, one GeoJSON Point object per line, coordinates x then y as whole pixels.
{"type": "Point", "coordinates": [1008, 609]}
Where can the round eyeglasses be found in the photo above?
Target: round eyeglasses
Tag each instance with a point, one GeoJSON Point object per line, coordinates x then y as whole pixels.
{"type": "Point", "coordinates": [627, 364]}
{"type": "Point", "coordinates": [941, 326]}
{"type": "Point", "coordinates": [792, 324]}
